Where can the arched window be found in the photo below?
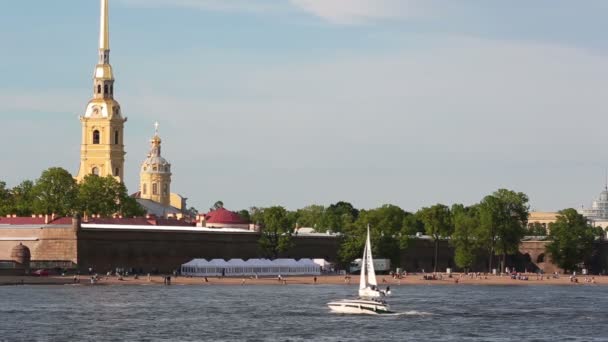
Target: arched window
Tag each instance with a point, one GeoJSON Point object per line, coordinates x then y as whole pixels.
{"type": "Point", "coordinates": [96, 137]}
{"type": "Point", "coordinates": [105, 88]}
{"type": "Point", "coordinates": [99, 89]}
{"type": "Point", "coordinates": [95, 171]}
{"type": "Point", "coordinates": [541, 258]}
{"type": "Point", "coordinates": [116, 172]}
{"type": "Point", "coordinates": [116, 137]}
{"type": "Point", "coordinates": [154, 189]}
{"type": "Point", "coordinates": [145, 189]}
{"type": "Point", "coordinates": [111, 89]}
{"type": "Point", "coordinates": [165, 189]}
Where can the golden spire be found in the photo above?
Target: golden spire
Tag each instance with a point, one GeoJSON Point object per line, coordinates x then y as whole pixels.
{"type": "Point", "coordinates": [104, 30]}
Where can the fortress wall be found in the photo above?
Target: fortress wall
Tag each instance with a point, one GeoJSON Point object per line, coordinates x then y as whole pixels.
{"type": "Point", "coordinates": [45, 243]}
{"type": "Point", "coordinates": [165, 251]}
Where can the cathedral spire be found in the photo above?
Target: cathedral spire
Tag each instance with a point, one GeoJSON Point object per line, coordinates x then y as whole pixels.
{"type": "Point", "coordinates": [104, 30]}
{"type": "Point", "coordinates": [104, 78]}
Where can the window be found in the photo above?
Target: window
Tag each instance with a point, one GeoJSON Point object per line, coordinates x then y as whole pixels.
{"type": "Point", "coordinates": [165, 189]}
{"type": "Point", "coordinates": [105, 88]}
{"type": "Point", "coordinates": [154, 189]}
{"type": "Point", "coordinates": [116, 137]}
{"type": "Point", "coordinates": [111, 89]}
{"type": "Point", "coordinates": [116, 172]}
{"type": "Point", "coordinates": [95, 171]}
{"type": "Point", "coordinates": [145, 189]}
{"type": "Point", "coordinates": [99, 89]}
{"type": "Point", "coordinates": [155, 169]}
{"type": "Point", "coordinates": [96, 137]}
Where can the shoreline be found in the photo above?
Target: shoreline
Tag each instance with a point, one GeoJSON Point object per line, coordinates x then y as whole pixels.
{"type": "Point", "coordinates": [337, 280]}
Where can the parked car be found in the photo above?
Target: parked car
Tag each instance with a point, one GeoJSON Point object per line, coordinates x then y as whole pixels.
{"type": "Point", "coordinates": [41, 273]}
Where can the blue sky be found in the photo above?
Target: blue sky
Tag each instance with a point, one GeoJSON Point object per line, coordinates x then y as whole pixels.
{"type": "Point", "coordinates": [294, 102]}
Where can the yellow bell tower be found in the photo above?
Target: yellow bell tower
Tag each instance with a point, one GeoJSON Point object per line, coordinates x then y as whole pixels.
{"type": "Point", "coordinates": [155, 175]}
{"type": "Point", "coordinates": [102, 151]}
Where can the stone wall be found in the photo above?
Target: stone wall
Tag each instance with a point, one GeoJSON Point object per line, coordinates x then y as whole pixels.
{"type": "Point", "coordinates": [165, 251]}
{"type": "Point", "coordinates": [44, 242]}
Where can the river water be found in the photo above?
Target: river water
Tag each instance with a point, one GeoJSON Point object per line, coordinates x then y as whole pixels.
{"type": "Point", "coordinates": [298, 313]}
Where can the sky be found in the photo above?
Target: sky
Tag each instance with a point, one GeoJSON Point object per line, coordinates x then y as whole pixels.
{"type": "Point", "coordinates": [298, 102]}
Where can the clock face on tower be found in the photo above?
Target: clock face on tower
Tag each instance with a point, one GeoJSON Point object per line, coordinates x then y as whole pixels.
{"type": "Point", "coordinates": [96, 111]}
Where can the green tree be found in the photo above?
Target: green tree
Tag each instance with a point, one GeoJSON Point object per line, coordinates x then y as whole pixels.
{"type": "Point", "coordinates": [571, 239]}
{"type": "Point", "coordinates": [503, 218]}
{"type": "Point", "coordinates": [217, 205]}
{"type": "Point", "coordinates": [312, 216]}
{"type": "Point", "coordinates": [192, 212]}
{"type": "Point", "coordinates": [276, 231]}
{"type": "Point", "coordinates": [536, 229]}
{"type": "Point", "coordinates": [23, 198]}
{"type": "Point", "coordinates": [244, 215]}
{"type": "Point", "coordinates": [386, 230]}
{"type": "Point", "coordinates": [6, 202]}
{"type": "Point", "coordinates": [464, 239]}
{"type": "Point", "coordinates": [129, 207]}
{"type": "Point", "coordinates": [438, 224]}
{"type": "Point", "coordinates": [338, 216]}
{"type": "Point", "coordinates": [105, 196]}
{"type": "Point", "coordinates": [55, 192]}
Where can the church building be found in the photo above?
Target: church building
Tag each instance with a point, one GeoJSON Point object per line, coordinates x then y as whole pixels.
{"type": "Point", "coordinates": [155, 184]}
{"type": "Point", "coordinates": [102, 150]}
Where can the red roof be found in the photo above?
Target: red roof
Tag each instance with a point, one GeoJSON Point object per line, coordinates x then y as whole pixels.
{"type": "Point", "coordinates": [22, 221]}
{"type": "Point", "coordinates": [223, 216]}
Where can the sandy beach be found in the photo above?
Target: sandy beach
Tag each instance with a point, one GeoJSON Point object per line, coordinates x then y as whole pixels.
{"type": "Point", "coordinates": [338, 280]}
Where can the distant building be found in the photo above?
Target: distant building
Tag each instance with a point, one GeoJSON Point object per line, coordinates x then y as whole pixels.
{"type": "Point", "coordinates": [542, 217]}
{"type": "Point", "coordinates": [598, 213]}
{"type": "Point", "coordinates": [155, 184]}
{"type": "Point", "coordinates": [223, 218]}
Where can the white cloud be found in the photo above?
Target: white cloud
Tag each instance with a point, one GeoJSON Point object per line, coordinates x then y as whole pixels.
{"type": "Point", "coordinates": [335, 11]}
{"type": "Point", "coordinates": [357, 11]}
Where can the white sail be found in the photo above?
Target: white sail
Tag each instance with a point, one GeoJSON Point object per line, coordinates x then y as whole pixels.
{"type": "Point", "coordinates": [369, 260]}
{"type": "Point", "coordinates": [363, 276]}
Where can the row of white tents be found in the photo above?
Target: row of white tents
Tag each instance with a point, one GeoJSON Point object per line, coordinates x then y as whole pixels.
{"type": "Point", "coordinates": [252, 267]}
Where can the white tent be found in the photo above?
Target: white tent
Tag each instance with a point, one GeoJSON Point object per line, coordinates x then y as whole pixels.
{"type": "Point", "coordinates": [251, 267]}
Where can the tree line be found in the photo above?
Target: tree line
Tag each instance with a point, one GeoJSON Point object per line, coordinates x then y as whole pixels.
{"type": "Point", "coordinates": [57, 193]}
{"type": "Point", "coordinates": [494, 227]}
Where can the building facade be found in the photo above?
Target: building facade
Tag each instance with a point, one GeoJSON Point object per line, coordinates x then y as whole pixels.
{"type": "Point", "coordinates": [155, 174]}
{"type": "Point", "coordinates": [598, 213]}
{"type": "Point", "coordinates": [102, 149]}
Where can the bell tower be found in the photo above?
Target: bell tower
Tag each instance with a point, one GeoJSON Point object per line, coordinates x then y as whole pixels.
{"type": "Point", "coordinates": [155, 174]}
{"type": "Point", "coordinates": [102, 150]}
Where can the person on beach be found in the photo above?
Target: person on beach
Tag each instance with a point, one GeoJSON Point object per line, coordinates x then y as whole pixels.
{"type": "Point", "coordinates": [314, 279]}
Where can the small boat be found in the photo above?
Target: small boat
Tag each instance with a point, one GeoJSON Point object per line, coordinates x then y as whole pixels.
{"type": "Point", "coordinates": [370, 297]}
{"type": "Point", "coordinates": [368, 285]}
{"type": "Point", "coordinates": [360, 306]}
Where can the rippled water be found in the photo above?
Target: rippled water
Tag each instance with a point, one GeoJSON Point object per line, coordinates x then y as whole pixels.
{"type": "Point", "coordinates": [298, 313]}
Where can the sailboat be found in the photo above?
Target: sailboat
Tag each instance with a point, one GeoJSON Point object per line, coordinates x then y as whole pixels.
{"type": "Point", "coordinates": [369, 301]}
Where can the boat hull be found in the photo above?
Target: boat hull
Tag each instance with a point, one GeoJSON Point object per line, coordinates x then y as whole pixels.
{"type": "Point", "coordinates": [359, 307]}
{"type": "Point", "coordinates": [369, 293]}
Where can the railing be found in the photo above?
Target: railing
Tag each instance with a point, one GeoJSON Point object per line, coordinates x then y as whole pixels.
{"type": "Point", "coordinates": [7, 265]}
{"type": "Point", "coordinates": [53, 264]}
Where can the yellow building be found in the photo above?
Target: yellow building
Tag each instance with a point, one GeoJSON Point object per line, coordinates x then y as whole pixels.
{"type": "Point", "coordinates": [154, 193]}
{"type": "Point", "coordinates": [155, 175]}
{"type": "Point", "coordinates": [102, 150]}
